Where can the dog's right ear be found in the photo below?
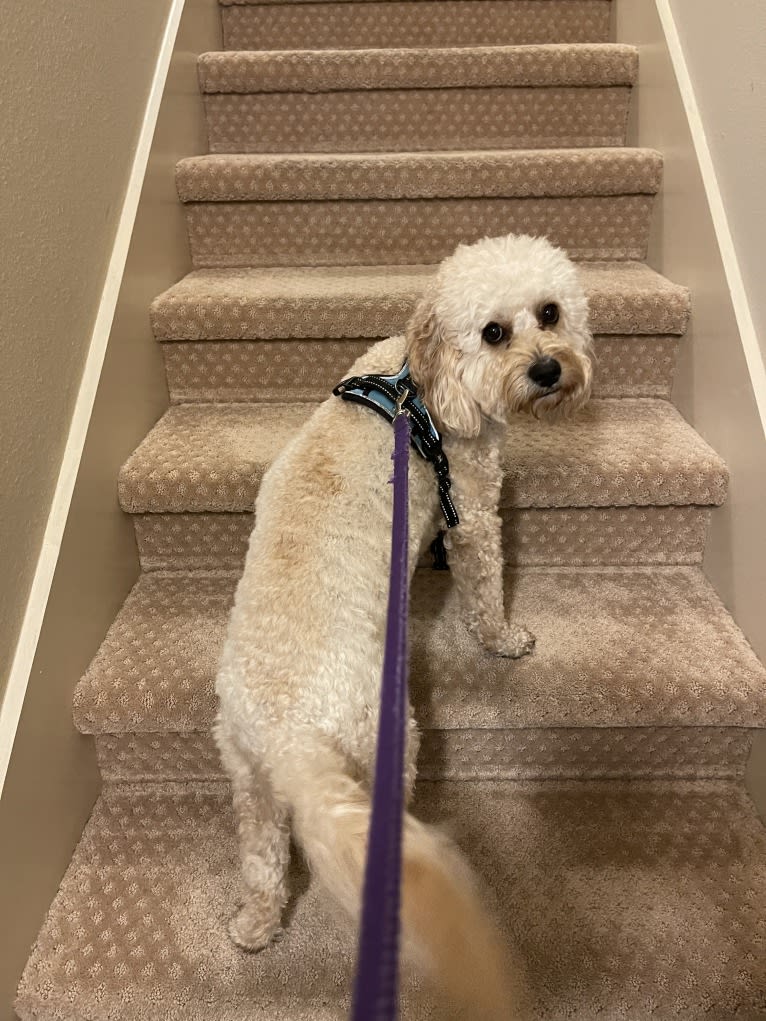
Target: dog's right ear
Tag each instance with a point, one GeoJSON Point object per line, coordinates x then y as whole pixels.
{"type": "Point", "coordinates": [435, 364]}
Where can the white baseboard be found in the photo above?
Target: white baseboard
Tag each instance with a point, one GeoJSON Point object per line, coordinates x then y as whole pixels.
{"type": "Point", "coordinates": [24, 653]}
{"type": "Point", "coordinates": [752, 349]}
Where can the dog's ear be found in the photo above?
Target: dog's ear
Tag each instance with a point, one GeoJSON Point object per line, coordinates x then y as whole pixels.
{"type": "Point", "coordinates": [436, 367]}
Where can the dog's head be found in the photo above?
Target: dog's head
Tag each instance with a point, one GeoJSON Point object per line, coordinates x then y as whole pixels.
{"type": "Point", "coordinates": [504, 328]}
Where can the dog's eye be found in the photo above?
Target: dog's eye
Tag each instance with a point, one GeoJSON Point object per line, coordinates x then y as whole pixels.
{"type": "Point", "coordinates": [493, 333]}
{"type": "Point", "coordinates": [549, 314]}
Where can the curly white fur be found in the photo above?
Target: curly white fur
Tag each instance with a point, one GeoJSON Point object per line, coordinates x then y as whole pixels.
{"type": "Point", "coordinates": [300, 672]}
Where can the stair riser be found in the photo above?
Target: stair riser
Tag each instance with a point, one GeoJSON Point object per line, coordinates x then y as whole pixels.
{"type": "Point", "coordinates": [399, 120]}
{"type": "Point", "coordinates": [293, 26]}
{"type": "Point", "coordinates": [589, 536]}
{"type": "Point", "coordinates": [402, 231]}
{"type": "Point", "coordinates": [307, 370]}
{"type": "Point", "coordinates": [533, 753]}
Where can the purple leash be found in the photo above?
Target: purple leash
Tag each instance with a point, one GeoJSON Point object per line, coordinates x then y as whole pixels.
{"type": "Point", "coordinates": [376, 990]}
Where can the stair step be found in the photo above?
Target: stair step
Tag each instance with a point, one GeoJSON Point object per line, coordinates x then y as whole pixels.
{"type": "Point", "coordinates": [615, 453]}
{"type": "Point", "coordinates": [630, 900]}
{"type": "Point", "coordinates": [627, 482]}
{"type": "Point", "coordinates": [418, 99]}
{"type": "Point", "coordinates": [393, 23]}
{"type": "Point", "coordinates": [417, 175]}
{"type": "Point", "coordinates": [376, 301]}
{"type": "Point", "coordinates": [637, 672]}
{"type": "Point", "coordinates": [413, 207]}
{"type": "Point", "coordinates": [314, 71]}
{"type": "Point", "coordinates": [290, 334]}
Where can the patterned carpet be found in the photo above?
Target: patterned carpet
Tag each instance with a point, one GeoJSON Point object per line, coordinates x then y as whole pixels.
{"type": "Point", "coordinates": [624, 900]}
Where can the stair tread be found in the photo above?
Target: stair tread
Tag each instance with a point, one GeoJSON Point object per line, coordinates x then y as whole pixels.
{"type": "Point", "coordinates": [557, 64]}
{"type": "Point", "coordinates": [375, 301]}
{"type": "Point", "coordinates": [235, 177]}
{"type": "Point", "coordinates": [623, 899]}
{"type": "Point", "coordinates": [621, 647]}
{"type": "Point", "coordinates": [623, 452]}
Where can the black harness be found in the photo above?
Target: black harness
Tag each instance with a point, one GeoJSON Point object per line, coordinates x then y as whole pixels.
{"type": "Point", "coordinates": [392, 395]}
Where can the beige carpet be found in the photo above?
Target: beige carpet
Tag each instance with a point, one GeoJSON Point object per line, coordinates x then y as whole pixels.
{"type": "Point", "coordinates": [597, 785]}
{"type": "Point", "coordinates": [289, 335]}
{"type": "Point", "coordinates": [211, 457]}
{"type": "Point", "coordinates": [626, 901]}
{"type": "Point", "coordinates": [248, 209]}
{"type": "Point", "coordinates": [487, 66]}
{"type": "Point", "coordinates": [641, 710]}
{"type": "Point", "coordinates": [317, 177]}
{"type": "Point", "coordinates": [375, 301]}
{"type": "Point", "coordinates": [392, 23]}
{"type": "Point", "coordinates": [155, 670]}
{"type": "Point", "coordinates": [275, 371]}
{"type": "Point", "coordinates": [583, 536]}
{"type": "Point", "coordinates": [419, 99]}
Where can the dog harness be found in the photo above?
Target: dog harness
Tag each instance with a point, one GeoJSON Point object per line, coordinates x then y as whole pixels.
{"type": "Point", "coordinates": [392, 395]}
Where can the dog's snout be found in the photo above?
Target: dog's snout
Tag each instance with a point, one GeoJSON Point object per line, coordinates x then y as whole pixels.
{"type": "Point", "coordinates": [545, 371]}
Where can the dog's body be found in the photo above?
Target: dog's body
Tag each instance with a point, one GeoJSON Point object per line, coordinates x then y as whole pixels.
{"type": "Point", "coordinates": [300, 674]}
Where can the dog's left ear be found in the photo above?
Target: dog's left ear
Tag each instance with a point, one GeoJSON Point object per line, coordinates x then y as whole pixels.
{"type": "Point", "coordinates": [436, 366]}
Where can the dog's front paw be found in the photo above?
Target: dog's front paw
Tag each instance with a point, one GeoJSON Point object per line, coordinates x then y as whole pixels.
{"type": "Point", "coordinates": [251, 934]}
{"type": "Point", "coordinates": [513, 641]}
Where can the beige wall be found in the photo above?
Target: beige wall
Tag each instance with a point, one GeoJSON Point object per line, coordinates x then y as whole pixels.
{"type": "Point", "coordinates": [724, 45]}
{"type": "Point", "coordinates": [73, 99]}
{"type": "Point", "coordinates": [52, 781]}
{"type": "Point", "coordinates": [713, 387]}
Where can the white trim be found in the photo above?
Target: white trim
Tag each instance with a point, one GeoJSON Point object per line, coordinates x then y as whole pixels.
{"type": "Point", "coordinates": [15, 692]}
{"type": "Point", "coordinates": [747, 331]}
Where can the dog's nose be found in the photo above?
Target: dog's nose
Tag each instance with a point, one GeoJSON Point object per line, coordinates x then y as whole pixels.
{"type": "Point", "coordinates": [545, 371]}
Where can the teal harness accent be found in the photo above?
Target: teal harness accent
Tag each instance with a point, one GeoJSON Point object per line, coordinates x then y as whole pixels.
{"type": "Point", "coordinates": [389, 395]}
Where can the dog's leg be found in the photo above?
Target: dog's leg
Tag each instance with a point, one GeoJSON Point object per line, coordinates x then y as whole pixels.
{"type": "Point", "coordinates": [264, 849]}
{"type": "Point", "coordinates": [476, 558]}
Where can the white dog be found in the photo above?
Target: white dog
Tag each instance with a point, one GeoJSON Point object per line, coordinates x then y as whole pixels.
{"type": "Point", "coordinates": [503, 329]}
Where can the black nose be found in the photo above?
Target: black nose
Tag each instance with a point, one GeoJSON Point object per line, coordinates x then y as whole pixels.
{"type": "Point", "coordinates": [545, 372]}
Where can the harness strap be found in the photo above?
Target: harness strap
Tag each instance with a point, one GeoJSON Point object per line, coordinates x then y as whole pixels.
{"type": "Point", "coordinates": [385, 395]}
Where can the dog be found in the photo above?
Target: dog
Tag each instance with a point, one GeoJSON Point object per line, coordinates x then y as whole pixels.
{"type": "Point", "coordinates": [502, 329]}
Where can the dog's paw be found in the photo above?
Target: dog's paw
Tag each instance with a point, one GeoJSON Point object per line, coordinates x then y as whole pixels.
{"type": "Point", "coordinates": [513, 641]}
{"type": "Point", "coordinates": [252, 936]}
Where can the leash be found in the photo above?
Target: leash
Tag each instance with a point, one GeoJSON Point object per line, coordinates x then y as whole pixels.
{"type": "Point", "coordinates": [376, 989]}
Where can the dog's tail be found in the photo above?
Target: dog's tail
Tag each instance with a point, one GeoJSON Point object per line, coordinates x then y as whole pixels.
{"type": "Point", "coordinates": [446, 929]}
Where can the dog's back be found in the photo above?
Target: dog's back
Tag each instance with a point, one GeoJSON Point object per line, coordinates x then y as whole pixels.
{"type": "Point", "coordinates": [304, 645]}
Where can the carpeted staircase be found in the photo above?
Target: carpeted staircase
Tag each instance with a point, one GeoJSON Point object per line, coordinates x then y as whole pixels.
{"type": "Point", "coordinates": [597, 785]}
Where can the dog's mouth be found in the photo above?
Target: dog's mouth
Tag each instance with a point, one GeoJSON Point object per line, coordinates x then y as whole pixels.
{"type": "Point", "coordinates": [546, 400]}
{"type": "Point", "coordinates": [539, 392]}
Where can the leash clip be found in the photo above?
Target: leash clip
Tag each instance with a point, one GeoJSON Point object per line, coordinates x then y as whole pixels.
{"type": "Point", "coordinates": [400, 408]}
